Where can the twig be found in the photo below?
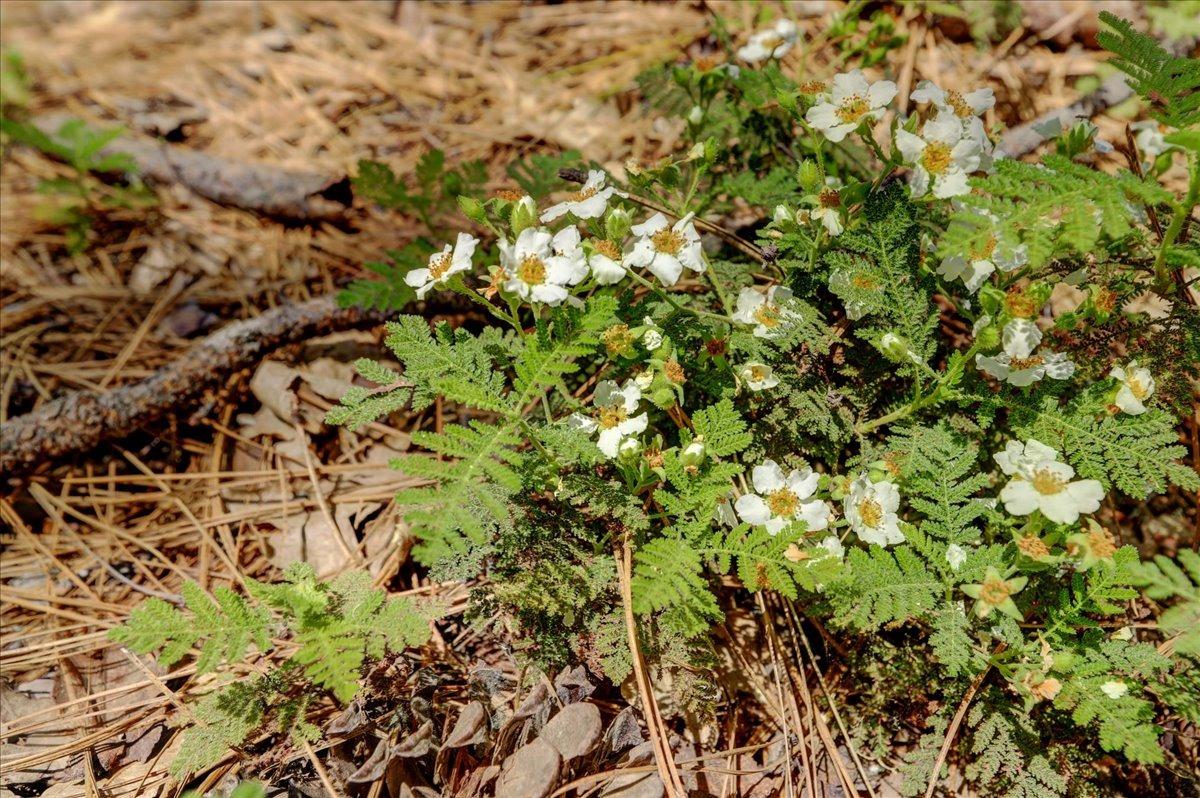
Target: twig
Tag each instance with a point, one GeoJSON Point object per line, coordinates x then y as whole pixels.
{"type": "Point", "coordinates": [956, 722]}
{"type": "Point", "coordinates": [80, 421]}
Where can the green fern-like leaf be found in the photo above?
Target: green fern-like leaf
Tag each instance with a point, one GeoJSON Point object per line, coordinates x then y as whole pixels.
{"type": "Point", "coordinates": [1169, 84]}
{"type": "Point", "coordinates": [941, 475]}
{"type": "Point", "coordinates": [1163, 579]}
{"type": "Point", "coordinates": [723, 430]}
{"type": "Point", "coordinates": [224, 628]}
{"type": "Point", "coordinates": [225, 718]}
{"type": "Point", "coordinates": [879, 587]}
{"type": "Point", "coordinates": [668, 576]}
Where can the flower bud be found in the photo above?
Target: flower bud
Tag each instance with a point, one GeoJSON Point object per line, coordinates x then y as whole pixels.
{"type": "Point", "coordinates": [696, 115]}
{"type": "Point", "coordinates": [643, 379]}
{"type": "Point", "coordinates": [894, 347]}
{"type": "Point", "coordinates": [629, 450]}
{"type": "Point", "coordinates": [693, 453]}
{"type": "Point", "coordinates": [809, 176]}
{"type": "Point", "coordinates": [617, 224]}
{"type": "Point", "coordinates": [524, 215]}
{"type": "Point", "coordinates": [472, 209]}
{"type": "Point", "coordinates": [782, 214]}
{"type": "Point", "coordinates": [652, 339]}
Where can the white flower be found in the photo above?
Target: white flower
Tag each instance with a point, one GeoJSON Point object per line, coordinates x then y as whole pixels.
{"type": "Point", "coordinates": [1114, 689]}
{"type": "Point", "coordinates": [774, 42]}
{"type": "Point", "coordinates": [614, 419]}
{"type": "Point", "coordinates": [963, 106]}
{"type": "Point", "coordinates": [956, 555]}
{"type": "Point", "coordinates": [589, 202]}
{"type": "Point", "coordinates": [977, 265]}
{"type": "Point", "coordinates": [1017, 363]}
{"type": "Point", "coordinates": [871, 510]}
{"type": "Point", "coordinates": [540, 266]}
{"type": "Point", "coordinates": [652, 338]}
{"type": "Point", "coordinates": [443, 265]}
{"type": "Point", "coordinates": [605, 262]}
{"type": "Point", "coordinates": [765, 311]}
{"type": "Point", "coordinates": [758, 376]}
{"type": "Point", "coordinates": [665, 249]}
{"type": "Point", "coordinates": [1137, 385]}
{"type": "Point", "coordinates": [829, 208]}
{"type": "Point", "coordinates": [833, 546]}
{"type": "Point", "coordinates": [1040, 482]}
{"type": "Point", "coordinates": [1149, 139]}
{"type": "Point", "coordinates": [851, 102]}
{"type": "Point", "coordinates": [779, 500]}
{"type": "Point", "coordinates": [644, 379]}
{"type": "Point", "coordinates": [941, 156]}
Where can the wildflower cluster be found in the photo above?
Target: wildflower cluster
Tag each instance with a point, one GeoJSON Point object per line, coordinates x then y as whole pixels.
{"type": "Point", "coordinates": [867, 398]}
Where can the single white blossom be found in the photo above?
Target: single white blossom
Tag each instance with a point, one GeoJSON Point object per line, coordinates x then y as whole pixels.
{"type": "Point", "coordinates": [1137, 385]}
{"type": "Point", "coordinates": [977, 265]}
{"type": "Point", "coordinates": [779, 499]}
{"type": "Point", "coordinates": [773, 42]}
{"type": "Point", "coordinates": [942, 157]}
{"type": "Point", "coordinates": [956, 555]}
{"type": "Point", "coordinates": [1041, 482]}
{"type": "Point", "coordinates": [1114, 689]}
{"type": "Point", "coordinates": [767, 312]}
{"type": "Point", "coordinates": [828, 210]}
{"type": "Point", "coordinates": [665, 249]}
{"type": "Point", "coordinates": [851, 102]}
{"type": "Point", "coordinates": [871, 510]}
{"type": "Point", "coordinates": [614, 418]}
{"type": "Point", "coordinates": [1017, 363]}
{"type": "Point", "coordinates": [758, 376]}
{"type": "Point", "coordinates": [964, 106]}
{"type": "Point", "coordinates": [539, 265]}
{"type": "Point", "coordinates": [589, 202]}
{"type": "Point", "coordinates": [443, 265]}
{"type": "Point", "coordinates": [606, 262]}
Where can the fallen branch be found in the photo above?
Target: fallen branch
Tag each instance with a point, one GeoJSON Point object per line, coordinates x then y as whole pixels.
{"type": "Point", "coordinates": [1023, 139]}
{"type": "Point", "coordinates": [256, 187]}
{"type": "Point", "coordinates": [80, 421]}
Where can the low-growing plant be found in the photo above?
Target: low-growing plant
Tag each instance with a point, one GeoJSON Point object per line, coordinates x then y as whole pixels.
{"type": "Point", "coordinates": [867, 403]}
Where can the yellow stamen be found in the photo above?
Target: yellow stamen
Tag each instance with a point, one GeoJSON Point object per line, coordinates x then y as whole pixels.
{"type": "Point", "coordinates": [439, 266]}
{"type": "Point", "coordinates": [995, 592]}
{"type": "Point", "coordinates": [767, 314]}
{"type": "Point", "coordinates": [830, 198]}
{"type": "Point", "coordinates": [1048, 483]}
{"type": "Point", "coordinates": [608, 248]}
{"type": "Point", "coordinates": [532, 270]}
{"type": "Point", "coordinates": [984, 251]}
{"type": "Point", "coordinates": [936, 157]}
{"type": "Point", "coordinates": [870, 512]}
{"type": "Point", "coordinates": [611, 416]}
{"type": "Point", "coordinates": [956, 101]}
{"type": "Point", "coordinates": [667, 241]}
{"type": "Point", "coordinates": [1033, 546]}
{"type": "Point", "coordinates": [852, 109]}
{"type": "Point", "coordinates": [783, 502]}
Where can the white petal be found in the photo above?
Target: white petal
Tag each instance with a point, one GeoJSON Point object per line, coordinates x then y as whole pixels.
{"type": "Point", "coordinates": [606, 270]}
{"type": "Point", "coordinates": [666, 268]}
{"type": "Point", "coordinates": [641, 255]}
{"type": "Point", "coordinates": [767, 477]}
{"type": "Point", "coordinates": [554, 211]}
{"type": "Point", "coordinates": [815, 515]}
{"type": "Point", "coordinates": [928, 92]}
{"type": "Point", "coordinates": [464, 248]}
{"type": "Point", "coordinates": [650, 226]}
{"type": "Point", "coordinates": [803, 483]}
{"type": "Point", "coordinates": [582, 422]}
{"type": "Point", "coordinates": [566, 240]}
{"type": "Point", "coordinates": [952, 183]}
{"type": "Point", "coordinates": [1040, 452]}
{"type": "Point", "coordinates": [593, 207]}
{"type": "Point", "coordinates": [693, 257]}
{"type": "Point", "coordinates": [1020, 338]}
{"type": "Point", "coordinates": [549, 293]}
{"type": "Point", "coordinates": [992, 365]}
{"type": "Point", "coordinates": [1128, 402]}
{"type": "Point", "coordinates": [910, 145]}
{"type": "Point", "coordinates": [1059, 507]}
{"type": "Point", "coordinates": [1087, 493]}
{"type": "Point", "coordinates": [1019, 497]}
{"type": "Point", "coordinates": [881, 93]}
{"type": "Point", "coordinates": [822, 116]}
{"type": "Point", "coordinates": [945, 127]}
{"type": "Point", "coordinates": [849, 84]}
{"type": "Point", "coordinates": [752, 509]}
{"type": "Point", "coordinates": [417, 277]}
{"type": "Point", "coordinates": [918, 182]}
{"type": "Point", "coordinates": [980, 100]}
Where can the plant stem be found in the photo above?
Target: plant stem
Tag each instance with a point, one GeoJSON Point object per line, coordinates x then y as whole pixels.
{"type": "Point", "coordinates": [1183, 210]}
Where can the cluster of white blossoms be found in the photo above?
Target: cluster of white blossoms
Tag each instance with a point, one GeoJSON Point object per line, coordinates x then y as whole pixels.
{"type": "Point", "coordinates": [1018, 363]}
{"type": "Point", "coordinates": [614, 416]}
{"type": "Point", "coordinates": [1040, 481]}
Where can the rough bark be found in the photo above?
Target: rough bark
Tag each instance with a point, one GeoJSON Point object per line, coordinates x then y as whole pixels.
{"type": "Point", "coordinates": [80, 421]}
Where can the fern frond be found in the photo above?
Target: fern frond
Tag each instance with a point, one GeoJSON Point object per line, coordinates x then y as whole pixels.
{"type": "Point", "coordinates": [1169, 84]}
{"type": "Point", "coordinates": [668, 577]}
{"type": "Point", "coordinates": [879, 587]}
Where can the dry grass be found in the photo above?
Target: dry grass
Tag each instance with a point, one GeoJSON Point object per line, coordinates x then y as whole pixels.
{"type": "Point", "coordinates": [216, 497]}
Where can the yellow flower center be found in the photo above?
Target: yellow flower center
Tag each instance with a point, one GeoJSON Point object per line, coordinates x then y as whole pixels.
{"type": "Point", "coordinates": [674, 372]}
{"type": "Point", "coordinates": [439, 266]}
{"type": "Point", "coordinates": [852, 109]}
{"type": "Point", "coordinates": [936, 157]}
{"type": "Point", "coordinates": [830, 198]}
{"type": "Point", "coordinates": [767, 314]}
{"type": "Point", "coordinates": [1136, 387]}
{"type": "Point", "coordinates": [1017, 364]}
{"type": "Point", "coordinates": [532, 270]}
{"type": "Point", "coordinates": [617, 339]}
{"type": "Point", "coordinates": [584, 193]}
{"type": "Point", "coordinates": [1033, 546]}
{"type": "Point", "coordinates": [510, 195]}
{"type": "Point", "coordinates": [783, 502]}
{"type": "Point", "coordinates": [1048, 483]}
{"type": "Point", "coordinates": [812, 87]}
{"type": "Point", "coordinates": [870, 512]}
{"type": "Point", "coordinates": [667, 241]}
{"type": "Point", "coordinates": [961, 109]}
{"type": "Point", "coordinates": [995, 592]}
{"type": "Point", "coordinates": [985, 250]}
{"type": "Point", "coordinates": [612, 415]}
{"type": "Point", "coordinates": [707, 63]}
{"type": "Point", "coordinates": [1020, 305]}
{"type": "Point", "coordinates": [1101, 544]}
{"type": "Point", "coordinates": [758, 373]}
{"type": "Point", "coordinates": [609, 249]}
